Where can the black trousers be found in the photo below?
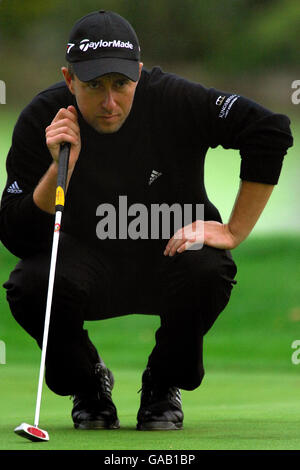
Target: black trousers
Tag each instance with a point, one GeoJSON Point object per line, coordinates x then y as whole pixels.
{"type": "Point", "coordinates": [188, 291]}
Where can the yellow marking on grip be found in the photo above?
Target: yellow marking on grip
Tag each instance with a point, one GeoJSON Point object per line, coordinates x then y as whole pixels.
{"type": "Point", "coordinates": [60, 196]}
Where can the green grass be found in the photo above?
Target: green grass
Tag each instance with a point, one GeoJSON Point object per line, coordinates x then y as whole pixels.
{"type": "Point", "coordinates": [7, 121]}
{"type": "Point", "coordinates": [229, 411]}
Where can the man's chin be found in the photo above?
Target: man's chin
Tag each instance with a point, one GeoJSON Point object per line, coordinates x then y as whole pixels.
{"type": "Point", "coordinates": [107, 128]}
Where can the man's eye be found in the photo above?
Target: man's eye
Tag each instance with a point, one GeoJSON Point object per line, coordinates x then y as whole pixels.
{"type": "Point", "coordinates": [93, 85]}
{"type": "Point", "coordinates": [121, 83]}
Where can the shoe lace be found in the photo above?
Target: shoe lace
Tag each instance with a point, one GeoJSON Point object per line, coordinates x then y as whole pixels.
{"type": "Point", "coordinates": [104, 382]}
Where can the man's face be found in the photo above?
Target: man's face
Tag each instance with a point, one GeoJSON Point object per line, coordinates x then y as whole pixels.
{"type": "Point", "coordinates": [105, 102]}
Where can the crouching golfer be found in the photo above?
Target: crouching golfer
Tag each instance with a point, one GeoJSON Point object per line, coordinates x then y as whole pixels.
{"type": "Point", "coordinates": [138, 140]}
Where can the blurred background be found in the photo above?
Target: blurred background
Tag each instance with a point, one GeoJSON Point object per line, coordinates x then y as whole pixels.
{"type": "Point", "coordinates": [249, 47]}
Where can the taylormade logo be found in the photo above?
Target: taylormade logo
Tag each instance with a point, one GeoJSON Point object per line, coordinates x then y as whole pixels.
{"type": "Point", "coordinates": [86, 44]}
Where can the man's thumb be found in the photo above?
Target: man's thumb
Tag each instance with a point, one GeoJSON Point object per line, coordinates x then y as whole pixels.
{"type": "Point", "coordinates": [73, 110]}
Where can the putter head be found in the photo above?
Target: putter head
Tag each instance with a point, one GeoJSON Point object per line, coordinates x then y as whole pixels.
{"type": "Point", "coordinates": [33, 433]}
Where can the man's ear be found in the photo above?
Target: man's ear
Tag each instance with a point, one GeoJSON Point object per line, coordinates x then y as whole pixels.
{"type": "Point", "coordinates": [140, 69]}
{"type": "Point", "coordinates": [68, 79]}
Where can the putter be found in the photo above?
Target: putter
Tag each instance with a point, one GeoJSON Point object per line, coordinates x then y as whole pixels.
{"type": "Point", "coordinates": [34, 433]}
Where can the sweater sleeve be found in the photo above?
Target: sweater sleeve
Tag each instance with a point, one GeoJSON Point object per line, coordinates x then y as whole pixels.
{"type": "Point", "coordinates": [261, 136]}
{"type": "Point", "coordinates": [24, 228]}
{"type": "Point", "coordinates": [209, 117]}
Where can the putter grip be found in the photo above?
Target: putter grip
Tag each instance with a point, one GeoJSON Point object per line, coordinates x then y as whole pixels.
{"type": "Point", "coordinates": [63, 164]}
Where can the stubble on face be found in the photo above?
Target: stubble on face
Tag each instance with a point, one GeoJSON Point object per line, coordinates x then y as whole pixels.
{"type": "Point", "coordinates": [105, 103]}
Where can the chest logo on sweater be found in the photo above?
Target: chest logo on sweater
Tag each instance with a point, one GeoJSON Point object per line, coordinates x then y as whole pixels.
{"type": "Point", "coordinates": [14, 188]}
{"type": "Point", "coordinates": [154, 175]}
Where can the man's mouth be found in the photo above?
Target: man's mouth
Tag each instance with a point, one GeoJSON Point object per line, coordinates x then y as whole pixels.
{"type": "Point", "coordinates": [109, 117]}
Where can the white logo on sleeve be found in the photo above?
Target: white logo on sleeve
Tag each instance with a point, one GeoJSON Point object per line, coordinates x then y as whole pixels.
{"type": "Point", "coordinates": [220, 100]}
{"type": "Point", "coordinates": [227, 105]}
{"type": "Point", "coordinates": [14, 188]}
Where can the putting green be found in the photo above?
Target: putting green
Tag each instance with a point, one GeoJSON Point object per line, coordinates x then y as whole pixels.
{"type": "Point", "coordinates": [231, 410]}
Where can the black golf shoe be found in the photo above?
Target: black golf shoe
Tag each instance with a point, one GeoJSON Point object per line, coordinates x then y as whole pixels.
{"type": "Point", "coordinates": [96, 410]}
{"type": "Point", "coordinates": [160, 407]}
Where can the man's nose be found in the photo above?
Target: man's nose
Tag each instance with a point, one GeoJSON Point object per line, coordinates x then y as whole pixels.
{"type": "Point", "coordinates": [108, 101]}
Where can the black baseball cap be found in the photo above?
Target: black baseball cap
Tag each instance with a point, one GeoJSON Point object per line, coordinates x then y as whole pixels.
{"type": "Point", "coordinates": [103, 42]}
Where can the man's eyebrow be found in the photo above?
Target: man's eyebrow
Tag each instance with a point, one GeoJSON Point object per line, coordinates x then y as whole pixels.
{"type": "Point", "coordinates": [120, 77]}
{"type": "Point", "coordinates": [113, 76]}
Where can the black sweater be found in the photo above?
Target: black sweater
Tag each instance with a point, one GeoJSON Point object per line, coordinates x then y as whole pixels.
{"type": "Point", "coordinates": [171, 125]}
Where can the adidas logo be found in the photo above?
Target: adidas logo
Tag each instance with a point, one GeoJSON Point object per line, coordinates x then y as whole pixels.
{"type": "Point", "coordinates": [14, 188]}
{"type": "Point", "coordinates": [154, 175]}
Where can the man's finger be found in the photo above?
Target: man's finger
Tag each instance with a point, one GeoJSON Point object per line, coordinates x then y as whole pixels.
{"type": "Point", "coordinates": [73, 110]}
{"type": "Point", "coordinates": [67, 122]}
{"type": "Point", "coordinates": [54, 131]}
{"type": "Point", "coordinates": [70, 113]}
{"type": "Point", "coordinates": [180, 237]}
{"type": "Point", "coordinates": [60, 138]}
{"type": "Point", "coordinates": [174, 246]}
{"type": "Point", "coordinates": [190, 245]}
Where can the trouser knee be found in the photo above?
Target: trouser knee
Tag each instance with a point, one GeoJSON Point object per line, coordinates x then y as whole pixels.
{"type": "Point", "coordinates": [27, 289]}
{"type": "Point", "coordinates": [192, 377]}
{"type": "Point", "coordinates": [24, 292]}
{"type": "Point", "coordinates": [207, 267]}
{"type": "Point", "coordinates": [198, 282]}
